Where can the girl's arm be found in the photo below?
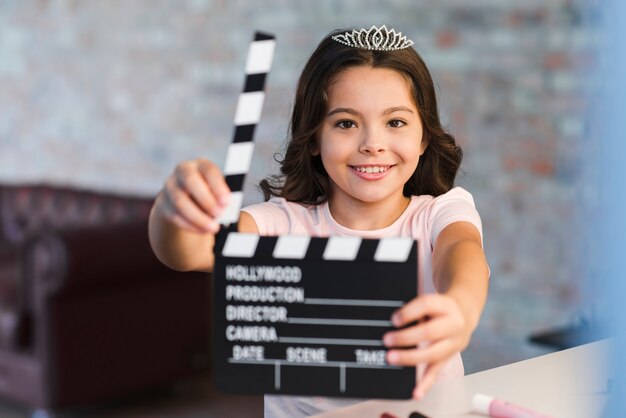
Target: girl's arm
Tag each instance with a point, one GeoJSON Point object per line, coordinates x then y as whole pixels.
{"type": "Point", "coordinates": [183, 219]}
{"type": "Point", "coordinates": [460, 269]}
{"type": "Point", "coordinates": [447, 319]}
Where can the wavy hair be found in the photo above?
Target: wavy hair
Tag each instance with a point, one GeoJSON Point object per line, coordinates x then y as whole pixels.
{"type": "Point", "coordinates": [303, 178]}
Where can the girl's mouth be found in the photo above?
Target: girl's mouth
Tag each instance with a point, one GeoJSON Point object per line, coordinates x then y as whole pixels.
{"type": "Point", "coordinates": [371, 169]}
{"type": "Point", "coordinates": [371, 172]}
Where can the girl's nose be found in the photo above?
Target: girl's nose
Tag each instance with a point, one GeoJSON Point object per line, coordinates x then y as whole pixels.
{"type": "Point", "coordinates": [371, 143]}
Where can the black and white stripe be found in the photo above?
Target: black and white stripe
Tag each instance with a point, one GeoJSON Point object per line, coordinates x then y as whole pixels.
{"type": "Point", "coordinates": [247, 116]}
{"type": "Point", "coordinates": [336, 248]}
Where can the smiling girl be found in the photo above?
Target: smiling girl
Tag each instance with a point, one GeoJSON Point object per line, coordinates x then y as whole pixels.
{"type": "Point", "coordinates": [367, 157]}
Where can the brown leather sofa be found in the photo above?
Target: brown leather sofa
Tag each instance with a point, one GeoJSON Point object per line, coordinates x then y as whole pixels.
{"type": "Point", "coordinates": [87, 312]}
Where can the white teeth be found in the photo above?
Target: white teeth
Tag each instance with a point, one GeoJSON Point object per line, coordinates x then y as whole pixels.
{"type": "Point", "coordinates": [370, 170]}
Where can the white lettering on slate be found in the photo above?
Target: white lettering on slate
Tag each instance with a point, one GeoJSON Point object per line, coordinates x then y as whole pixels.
{"type": "Point", "coordinates": [256, 313]}
{"type": "Point", "coordinates": [370, 356]}
{"type": "Point", "coordinates": [248, 352]}
{"type": "Point", "coordinates": [274, 294]}
{"type": "Point", "coordinates": [287, 274]}
{"type": "Point", "coordinates": [251, 333]}
{"type": "Point", "coordinates": [306, 355]}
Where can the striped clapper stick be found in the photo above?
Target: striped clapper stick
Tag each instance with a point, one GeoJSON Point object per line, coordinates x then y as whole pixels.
{"type": "Point", "coordinates": [247, 116]}
{"type": "Point", "coordinates": [302, 315]}
{"type": "Point", "coordinates": [305, 316]}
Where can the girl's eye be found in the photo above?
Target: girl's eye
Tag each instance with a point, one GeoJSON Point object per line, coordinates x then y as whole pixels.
{"type": "Point", "coordinates": [396, 123]}
{"type": "Point", "coordinates": [345, 124]}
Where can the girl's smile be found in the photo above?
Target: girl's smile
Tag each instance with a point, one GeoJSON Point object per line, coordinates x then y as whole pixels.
{"type": "Point", "coordinates": [371, 171]}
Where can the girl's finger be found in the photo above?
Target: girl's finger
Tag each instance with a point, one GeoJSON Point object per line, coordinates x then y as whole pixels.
{"type": "Point", "coordinates": [196, 186]}
{"type": "Point", "coordinates": [420, 307]}
{"type": "Point", "coordinates": [170, 214]}
{"type": "Point", "coordinates": [215, 179]}
{"type": "Point", "coordinates": [182, 223]}
{"type": "Point", "coordinates": [413, 356]}
{"type": "Point", "coordinates": [431, 330]}
{"type": "Point", "coordinates": [184, 206]}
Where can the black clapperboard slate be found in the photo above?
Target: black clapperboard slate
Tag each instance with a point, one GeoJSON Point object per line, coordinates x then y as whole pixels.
{"type": "Point", "coordinates": [300, 315]}
{"type": "Point", "coordinates": [322, 335]}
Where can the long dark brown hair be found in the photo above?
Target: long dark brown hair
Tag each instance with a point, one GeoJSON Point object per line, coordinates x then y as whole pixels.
{"type": "Point", "coordinates": [303, 178]}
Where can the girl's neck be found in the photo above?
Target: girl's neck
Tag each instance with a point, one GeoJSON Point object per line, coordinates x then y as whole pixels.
{"type": "Point", "coordinates": [363, 216]}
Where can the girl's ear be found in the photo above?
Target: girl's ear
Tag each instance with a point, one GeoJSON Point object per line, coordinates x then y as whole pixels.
{"type": "Point", "coordinates": [424, 144]}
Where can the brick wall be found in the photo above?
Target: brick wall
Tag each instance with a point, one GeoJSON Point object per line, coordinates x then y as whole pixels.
{"type": "Point", "coordinates": [112, 94]}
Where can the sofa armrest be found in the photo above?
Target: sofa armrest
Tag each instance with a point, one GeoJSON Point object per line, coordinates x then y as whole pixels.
{"type": "Point", "coordinates": [62, 260]}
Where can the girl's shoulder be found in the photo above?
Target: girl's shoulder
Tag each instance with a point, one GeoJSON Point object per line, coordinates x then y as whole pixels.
{"type": "Point", "coordinates": [455, 197]}
{"type": "Point", "coordinates": [280, 216]}
{"type": "Point", "coordinates": [453, 206]}
{"type": "Point", "coordinates": [456, 194]}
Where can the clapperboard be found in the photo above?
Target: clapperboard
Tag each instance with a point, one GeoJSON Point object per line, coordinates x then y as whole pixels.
{"type": "Point", "coordinates": [296, 314]}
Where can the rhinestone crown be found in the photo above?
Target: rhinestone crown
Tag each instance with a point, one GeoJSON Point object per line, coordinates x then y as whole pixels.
{"type": "Point", "coordinates": [374, 38]}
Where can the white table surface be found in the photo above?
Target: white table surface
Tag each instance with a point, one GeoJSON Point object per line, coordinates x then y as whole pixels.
{"type": "Point", "coordinates": [570, 384]}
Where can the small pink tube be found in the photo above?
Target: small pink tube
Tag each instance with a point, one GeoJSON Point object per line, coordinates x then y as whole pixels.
{"type": "Point", "coordinates": [497, 408]}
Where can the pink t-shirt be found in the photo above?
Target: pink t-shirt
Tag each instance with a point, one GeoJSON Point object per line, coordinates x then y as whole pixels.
{"type": "Point", "coordinates": [424, 218]}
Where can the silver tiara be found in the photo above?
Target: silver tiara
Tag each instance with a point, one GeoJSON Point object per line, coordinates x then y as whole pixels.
{"type": "Point", "coordinates": [377, 39]}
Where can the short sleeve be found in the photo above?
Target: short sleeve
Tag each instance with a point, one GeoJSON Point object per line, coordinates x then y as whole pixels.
{"type": "Point", "coordinates": [271, 217]}
{"type": "Point", "coordinates": [457, 205]}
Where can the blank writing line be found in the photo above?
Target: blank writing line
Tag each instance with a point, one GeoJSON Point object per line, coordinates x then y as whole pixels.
{"type": "Point", "coordinates": [339, 321]}
{"type": "Point", "coordinates": [332, 341]}
{"type": "Point", "coordinates": [353, 302]}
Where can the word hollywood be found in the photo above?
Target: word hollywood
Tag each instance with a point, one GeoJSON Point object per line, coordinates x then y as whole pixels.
{"type": "Point", "coordinates": [287, 274]}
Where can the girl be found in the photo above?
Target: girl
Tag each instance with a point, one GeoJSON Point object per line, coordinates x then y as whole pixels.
{"type": "Point", "coordinates": [367, 156]}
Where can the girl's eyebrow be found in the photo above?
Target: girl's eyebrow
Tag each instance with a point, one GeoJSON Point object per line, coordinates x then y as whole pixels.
{"type": "Point", "coordinates": [343, 110]}
{"type": "Point", "coordinates": [397, 109]}
{"type": "Point", "coordinates": [357, 113]}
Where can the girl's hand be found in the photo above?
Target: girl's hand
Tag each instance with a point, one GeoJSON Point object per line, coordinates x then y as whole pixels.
{"type": "Point", "coordinates": [193, 196]}
{"type": "Point", "coordinates": [442, 328]}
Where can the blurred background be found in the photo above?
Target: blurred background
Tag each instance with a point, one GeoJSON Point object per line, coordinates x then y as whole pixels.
{"type": "Point", "coordinates": [108, 96]}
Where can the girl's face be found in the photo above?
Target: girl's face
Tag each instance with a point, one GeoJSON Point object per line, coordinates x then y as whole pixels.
{"type": "Point", "coordinates": [371, 138]}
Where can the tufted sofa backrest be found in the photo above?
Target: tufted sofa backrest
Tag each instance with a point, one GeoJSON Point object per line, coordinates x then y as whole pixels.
{"type": "Point", "coordinates": [28, 208]}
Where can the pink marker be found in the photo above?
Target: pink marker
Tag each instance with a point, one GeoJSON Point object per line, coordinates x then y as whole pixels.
{"type": "Point", "coordinates": [497, 408]}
